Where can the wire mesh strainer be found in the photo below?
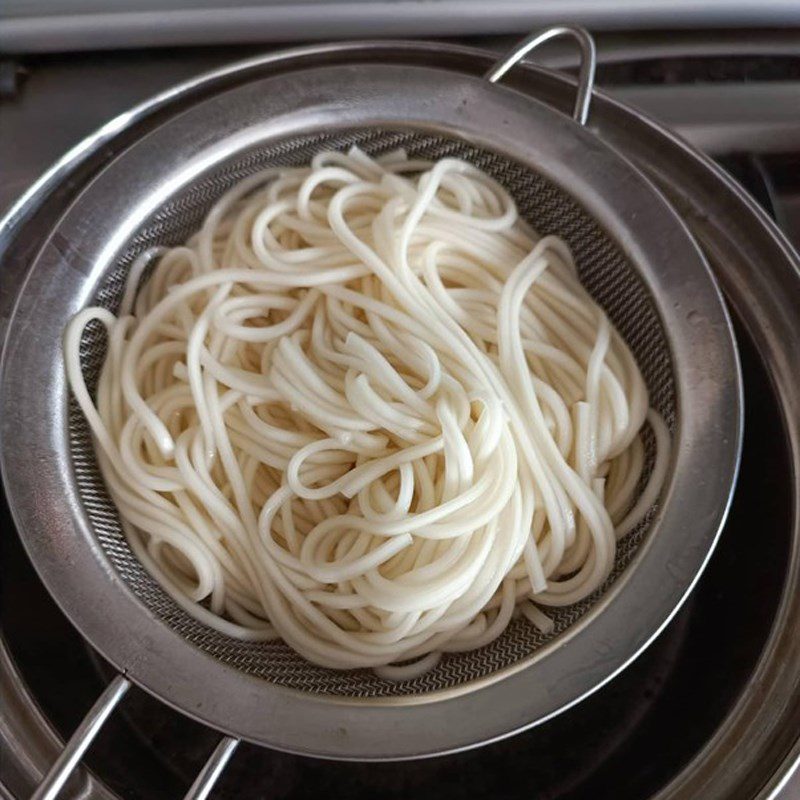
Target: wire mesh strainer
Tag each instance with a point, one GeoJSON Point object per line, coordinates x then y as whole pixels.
{"type": "Point", "coordinates": [634, 257]}
{"type": "Point", "coordinates": [605, 272]}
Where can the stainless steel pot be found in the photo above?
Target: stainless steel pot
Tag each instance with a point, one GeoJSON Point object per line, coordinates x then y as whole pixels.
{"type": "Point", "coordinates": [760, 274]}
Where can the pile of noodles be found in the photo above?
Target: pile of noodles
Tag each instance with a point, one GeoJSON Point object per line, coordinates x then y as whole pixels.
{"type": "Point", "coordinates": [366, 409]}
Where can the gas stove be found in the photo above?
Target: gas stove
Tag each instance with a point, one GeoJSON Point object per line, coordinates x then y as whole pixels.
{"type": "Point", "coordinates": [736, 96]}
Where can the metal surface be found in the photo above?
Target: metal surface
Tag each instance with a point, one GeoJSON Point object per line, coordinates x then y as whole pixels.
{"type": "Point", "coordinates": [588, 63]}
{"type": "Point", "coordinates": [734, 117]}
{"type": "Point", "coordinates": [116, 81]}
{"type": "Point", "coordinates": [74, 749]}
{"type": "Point", "coordinates": [59, 26]}
{"type": "Point", "coordinates": [204, 784]}
{"type": "Point", "coordinates": [361, 721]}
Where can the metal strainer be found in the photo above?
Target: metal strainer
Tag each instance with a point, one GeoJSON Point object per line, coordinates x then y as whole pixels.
{"type": "Point", "coordinates": [634, 256]}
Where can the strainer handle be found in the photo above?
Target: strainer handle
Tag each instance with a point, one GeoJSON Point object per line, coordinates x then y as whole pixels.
{"type": "Point", "coordinates": [79, 742]}
{"type": "Point", "coordinates": [585, 74]}
{"type": "Point", "coordinates": [204, 782]}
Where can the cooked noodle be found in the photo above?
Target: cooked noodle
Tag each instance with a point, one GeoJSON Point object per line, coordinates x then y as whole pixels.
{"type": "Point", "coordinates": [366, 409]}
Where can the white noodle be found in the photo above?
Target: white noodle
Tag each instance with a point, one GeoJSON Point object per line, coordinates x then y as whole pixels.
{"type": "Point", "coordinates": [366, 410]}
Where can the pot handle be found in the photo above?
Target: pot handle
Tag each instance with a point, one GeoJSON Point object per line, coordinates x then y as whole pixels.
{"type": "Point", "coordinates": [587, 67]}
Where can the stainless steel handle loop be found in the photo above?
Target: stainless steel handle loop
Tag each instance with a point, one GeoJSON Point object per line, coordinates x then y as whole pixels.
{"type": "Point", "coordinates": [587, 68]}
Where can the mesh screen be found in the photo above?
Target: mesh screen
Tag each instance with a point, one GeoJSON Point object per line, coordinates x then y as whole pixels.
{"type": "Point", "coordinates": [606, 273]}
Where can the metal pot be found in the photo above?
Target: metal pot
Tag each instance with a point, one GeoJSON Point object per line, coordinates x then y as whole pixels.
{"type": "Point", "coordinates": [755, 750]}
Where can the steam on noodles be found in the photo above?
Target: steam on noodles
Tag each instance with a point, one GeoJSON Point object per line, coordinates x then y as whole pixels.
{"type": "Point", "coordinates": [366, 409]}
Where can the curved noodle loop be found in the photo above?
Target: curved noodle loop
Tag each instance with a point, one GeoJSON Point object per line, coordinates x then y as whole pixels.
{"type": "Point", "coordinates": [368, 410]}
